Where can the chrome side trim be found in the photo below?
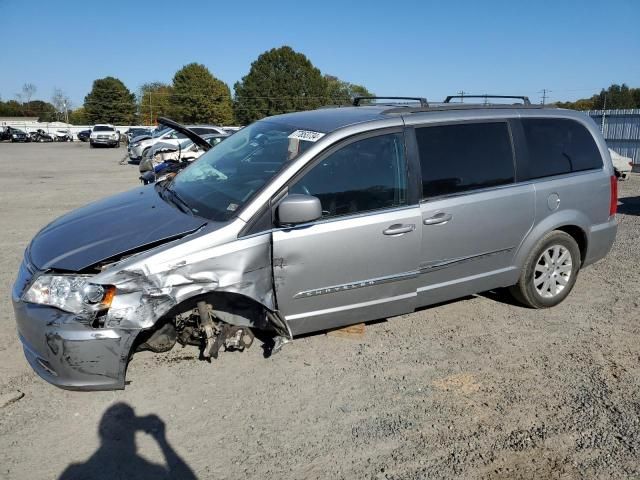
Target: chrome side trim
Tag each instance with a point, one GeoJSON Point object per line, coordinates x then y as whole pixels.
{"type": "Point", "coordinates": [450, 283]}
{"type": "Point", "coordinates": [353, 306]}
{"type": "Point", "coordinates": [359, 284]}
{"type": "Point", "coordinates": [425, 268]}
{"type": "Point", "coordinates": [440, 264]}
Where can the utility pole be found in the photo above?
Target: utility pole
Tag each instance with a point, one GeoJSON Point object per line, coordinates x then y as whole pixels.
{"type": "Point", "coordinates": [544, 92]}
{"type": "Point", "coordinates": [461, 93]}
{"type": "Point", "coordinates": [150, 110]}
{"type": "Point", "coordinates": [604, 109]}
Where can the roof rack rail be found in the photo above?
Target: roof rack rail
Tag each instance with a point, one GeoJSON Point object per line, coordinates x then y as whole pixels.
{"type": "Point", "coordinates": [524, 99]}
{"type": "Point", "coordinates": [442, 107]}
{"type": "Point", "coordinates": [423, 101]}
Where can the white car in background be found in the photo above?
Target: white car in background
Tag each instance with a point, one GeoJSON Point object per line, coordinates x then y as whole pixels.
{"type": "Point", "coordinates": [621, 164]}
{"type": "Point", "coordinates": [138, 149]}
{"type": "Point", "coordinates": [104, 135]}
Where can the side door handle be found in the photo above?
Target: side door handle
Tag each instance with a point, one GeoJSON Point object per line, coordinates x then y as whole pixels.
{"type": "Point", "coordinates": [399, 229]}
{"type": "Point", "coordinates": [438, 218]}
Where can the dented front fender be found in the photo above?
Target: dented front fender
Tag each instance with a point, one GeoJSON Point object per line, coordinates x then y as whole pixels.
{"type": "Point", "coordinates": [151, 284]}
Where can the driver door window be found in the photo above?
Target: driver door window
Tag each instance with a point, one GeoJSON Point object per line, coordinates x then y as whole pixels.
{"type": "Point", "coordinates": [365, 175]}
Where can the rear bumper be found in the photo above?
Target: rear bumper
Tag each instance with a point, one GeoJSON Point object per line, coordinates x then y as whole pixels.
{"type": "Point", "coordinates": [601, 239]}
{"type": "Point", "coordinates": [70, 354]}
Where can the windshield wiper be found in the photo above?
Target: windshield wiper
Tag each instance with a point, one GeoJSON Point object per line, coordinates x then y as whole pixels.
{"type": "Point", "coordinates": [177, 200]}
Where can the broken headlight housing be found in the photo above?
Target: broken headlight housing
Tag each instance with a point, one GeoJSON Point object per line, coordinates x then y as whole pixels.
{"type": "Point", "coordinates": [71, 293]}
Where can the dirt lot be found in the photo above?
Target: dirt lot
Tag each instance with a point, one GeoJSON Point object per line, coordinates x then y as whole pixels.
{"type": "Point", "coordinates": [477, 388]}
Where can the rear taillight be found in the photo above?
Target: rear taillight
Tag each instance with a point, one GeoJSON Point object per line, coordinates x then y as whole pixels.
{"type": "Point", "coordinates": [631, 164]}
{"type": "Point", "coordinates": [613, 202]}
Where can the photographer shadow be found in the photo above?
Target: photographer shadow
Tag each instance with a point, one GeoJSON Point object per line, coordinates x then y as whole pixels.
{"type": "Point", "coordinates": [117, 456]}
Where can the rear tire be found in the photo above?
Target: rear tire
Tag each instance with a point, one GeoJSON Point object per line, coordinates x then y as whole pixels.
{"type": "Point", "coordinates": [550, 271]}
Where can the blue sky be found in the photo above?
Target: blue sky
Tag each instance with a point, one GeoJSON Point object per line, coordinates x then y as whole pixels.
{"type": "Point", "coordinates": [432, 49]}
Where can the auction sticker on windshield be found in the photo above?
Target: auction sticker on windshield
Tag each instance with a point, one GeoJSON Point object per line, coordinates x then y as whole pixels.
{"type": "Point", "coordinates": [307, 135]}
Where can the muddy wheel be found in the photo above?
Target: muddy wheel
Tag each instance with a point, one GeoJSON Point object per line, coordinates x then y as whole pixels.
{"type": "Point", "coordinates": [549, 272]}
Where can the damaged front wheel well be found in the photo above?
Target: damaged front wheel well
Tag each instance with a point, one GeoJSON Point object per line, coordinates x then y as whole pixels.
{"type": "Point", "coordinates": [232, 308]}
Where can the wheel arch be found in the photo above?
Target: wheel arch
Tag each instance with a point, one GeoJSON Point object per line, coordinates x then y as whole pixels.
{"type": "Point", "coordinates": [574, 223]}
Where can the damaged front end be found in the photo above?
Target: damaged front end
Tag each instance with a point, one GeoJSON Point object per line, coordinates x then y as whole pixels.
{"type": "Point", "coordinates": [185, 291]}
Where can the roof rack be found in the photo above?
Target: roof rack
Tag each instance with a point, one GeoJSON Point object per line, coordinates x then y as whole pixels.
{"type": "Point", "coordinates": [423, 101]}
{"type": "Point", "coordinates": [463, 106]}
{"type": "Point", "coordinates": [524, 99]}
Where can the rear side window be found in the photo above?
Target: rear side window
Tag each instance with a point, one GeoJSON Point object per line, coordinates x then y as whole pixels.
{"type": "Point", "coordinates": [558, 146]}
{"type": "Point", "coordinates": [462, 157]}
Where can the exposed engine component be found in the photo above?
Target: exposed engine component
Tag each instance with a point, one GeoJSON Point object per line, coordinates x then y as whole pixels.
{"type": "Point", "coordinates": [201, 327]}
{"type": "Point", "coordinates": [207, 327]}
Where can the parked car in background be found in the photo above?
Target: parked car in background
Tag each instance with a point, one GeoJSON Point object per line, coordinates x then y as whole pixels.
{"type": "Point", "coordinates": [104, 135]}
{"type": "Point", "coordinates": [137, 132]}
{"type": "Point", "coordinates": [315, 220]}
{"type": "Point", "coordinates": [15, 135]}
{"type": "Point", "coordinates": [84, 135]}
{"type": "Point", "coordinates": [63, 136]}
{"type": "Point", "coordinates": [179, 155]}
{"type": "Point", "coordinates": [41, 136]}
{"type": "Point", "coordinates": [138, 148]}
{"type": "Point", "coordinates": [622, 165]}
{"type": "Point", "coordinates": [152, 132]}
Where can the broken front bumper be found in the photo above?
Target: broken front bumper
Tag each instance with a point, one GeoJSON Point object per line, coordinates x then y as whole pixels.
{"type": "Point", "coordinates": [70, 354]}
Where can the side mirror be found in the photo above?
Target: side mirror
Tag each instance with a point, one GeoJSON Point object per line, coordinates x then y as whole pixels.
{"type": "Point", "coordinates": [297, 208]}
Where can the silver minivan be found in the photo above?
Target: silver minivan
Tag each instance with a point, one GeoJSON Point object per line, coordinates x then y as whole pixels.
{"type": "Point", "coordinates": [315, 220]}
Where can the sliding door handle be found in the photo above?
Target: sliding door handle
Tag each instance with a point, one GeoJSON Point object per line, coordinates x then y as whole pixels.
{"type": "Point", "coordinates": [438, 219]}
{"type": "Point", "coordinates": [399, 229]}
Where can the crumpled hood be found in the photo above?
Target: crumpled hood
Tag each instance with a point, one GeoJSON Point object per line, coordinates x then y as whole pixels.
{"type": "Point", "coordinates": [108, 228]}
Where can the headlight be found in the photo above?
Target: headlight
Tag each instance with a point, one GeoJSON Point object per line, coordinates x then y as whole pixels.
{"type": "Point", "coordinates": [72, 293]}
{"type": "Point", "coordinates": [135, 144]}
{"type": "Point", "coordinates": [14, 135]}
{"type": "Point", "coordinates": [114, 135]}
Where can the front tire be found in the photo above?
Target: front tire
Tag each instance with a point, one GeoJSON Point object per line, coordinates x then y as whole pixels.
{"type": "Point", "coordinates": [550, 271]}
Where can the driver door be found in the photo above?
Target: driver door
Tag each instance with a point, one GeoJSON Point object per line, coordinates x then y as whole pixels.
{"type": "Point", "coordinates": [359, 261]}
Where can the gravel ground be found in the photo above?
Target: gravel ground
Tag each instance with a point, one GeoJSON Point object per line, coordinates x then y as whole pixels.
{"type": "Point", "coordinates": [476, 388]}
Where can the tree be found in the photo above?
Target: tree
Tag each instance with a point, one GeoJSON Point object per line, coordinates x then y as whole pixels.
{"type": "Point", "coordinates": [614, 97]}
{"type": "Point", "coordinates": [340, 92]}
{"type": "Point", "coordinates": [62, 104]}
{"type": "Point", "coordinates": [28, 90]}
{"type": "Point", "coordinates": [279, 81]}
{"type": "Point", "coordinates": [78, 116]}
{"type": "Point", "coordinates": [11, 108]}
{"type": "Point", "coordinates": [110, 101]}
{"type": "Point", "coordinates": [582, 104]}
{"type": "Point", "coordinates": [154, 101]}
{"type": "Point", "coordinates": [45, 111]}
{"type": "Point", "coordinates": [636, 97]}
{"type": "Point", "coordinates": [199, 97]}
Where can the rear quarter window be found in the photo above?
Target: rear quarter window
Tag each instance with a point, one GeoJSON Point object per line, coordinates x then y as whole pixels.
{"type": "Point", "coordinates": [558, 146]}
{"type": "Point", "coordinates": [462, 157]}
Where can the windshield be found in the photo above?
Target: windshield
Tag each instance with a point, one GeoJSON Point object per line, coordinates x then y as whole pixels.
{"type": "Point", "coordinates": [102, 128]}
{"type": "Point", "coordinates": [220, 182]}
